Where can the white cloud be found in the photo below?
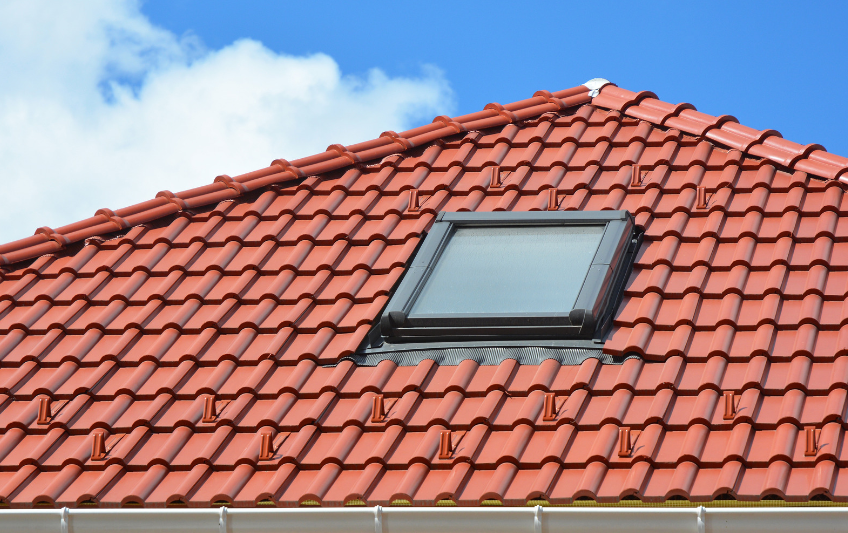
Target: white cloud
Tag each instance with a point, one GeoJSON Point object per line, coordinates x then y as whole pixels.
{"type": "Point", "coordinates": [100, 108]}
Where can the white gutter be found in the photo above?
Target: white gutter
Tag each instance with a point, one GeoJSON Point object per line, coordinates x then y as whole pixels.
{"type": "Point", "coordinates": [429, 520]}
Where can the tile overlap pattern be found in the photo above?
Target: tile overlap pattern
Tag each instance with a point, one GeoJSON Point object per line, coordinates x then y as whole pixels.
{"type": "Point", "coordinates": [117, 346]}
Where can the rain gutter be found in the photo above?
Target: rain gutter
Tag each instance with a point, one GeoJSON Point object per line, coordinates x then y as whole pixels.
{"type": "Point", "coordinates": [427, 520]}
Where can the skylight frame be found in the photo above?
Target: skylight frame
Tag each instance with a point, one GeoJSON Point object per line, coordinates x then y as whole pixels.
{"type": "Point", "coordinates": [590, 317]}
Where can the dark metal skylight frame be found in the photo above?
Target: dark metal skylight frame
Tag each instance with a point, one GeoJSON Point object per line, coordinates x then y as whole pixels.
{"type": "Point", "coordinates": [590, 317]}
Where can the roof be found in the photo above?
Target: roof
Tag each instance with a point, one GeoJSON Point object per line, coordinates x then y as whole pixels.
{"type": "Point", "coordinates": [250, 293]}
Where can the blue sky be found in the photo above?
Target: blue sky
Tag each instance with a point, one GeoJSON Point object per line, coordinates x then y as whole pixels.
{"type": "Point", "coordinates": [113, 101]}
{"type": "Point", "coordinates": [778, 65]}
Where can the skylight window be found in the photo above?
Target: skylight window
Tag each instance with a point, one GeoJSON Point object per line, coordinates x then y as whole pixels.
{"type": "Point", "coordinates": [489, 276]}
{"type": "Point", "coordinates": [510, 269]}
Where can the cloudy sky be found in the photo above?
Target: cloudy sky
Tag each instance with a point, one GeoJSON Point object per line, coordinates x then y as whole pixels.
{"type": "Point", "coordinates": [105, 103]}
{"type": "Point", "coordinates": [106, 108]}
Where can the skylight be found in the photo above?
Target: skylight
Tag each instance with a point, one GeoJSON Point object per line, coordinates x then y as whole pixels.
{"type": "Point", "coordinates": [510, 269]}
{"type": "Point", "coordinates": [513, 275]}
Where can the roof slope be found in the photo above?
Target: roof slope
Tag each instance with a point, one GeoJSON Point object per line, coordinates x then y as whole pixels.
{"type": "Point", "coordinates": [249, 293]}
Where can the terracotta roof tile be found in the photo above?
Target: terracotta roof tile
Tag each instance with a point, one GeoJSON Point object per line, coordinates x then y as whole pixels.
{"type": "Point", "coordinates": [239, 301]}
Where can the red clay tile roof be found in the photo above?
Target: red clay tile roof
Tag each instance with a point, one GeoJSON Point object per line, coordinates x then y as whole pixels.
{"type": "Point", "coordinates": [198, 357]}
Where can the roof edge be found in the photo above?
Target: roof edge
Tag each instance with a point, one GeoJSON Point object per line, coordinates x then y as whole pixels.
{"type": "Point", "coordinates": [471, 519]}
{"type": "Point", "coordinates": [47, 240]}
{"type": "Point", "coordinates": [724, 130]}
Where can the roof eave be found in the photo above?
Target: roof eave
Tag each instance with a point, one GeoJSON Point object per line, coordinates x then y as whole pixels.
{"type": "Point", "coordinates": [427, 519]}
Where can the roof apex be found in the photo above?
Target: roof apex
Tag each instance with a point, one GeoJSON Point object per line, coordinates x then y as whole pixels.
{"type": "Point", "coordinates": [599, 92]}
{"type": "Point", "coordinates": [595, 84]}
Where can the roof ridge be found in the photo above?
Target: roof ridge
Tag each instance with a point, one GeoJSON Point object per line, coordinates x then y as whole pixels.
{"type": "Point", "coordinates": [47, 240]}
{"type": "Point", "coordinates": [644, 105]}
{"type": "Point", "coordinates": [725, 130]}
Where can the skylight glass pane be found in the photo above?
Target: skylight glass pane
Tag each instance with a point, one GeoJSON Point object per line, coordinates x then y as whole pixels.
{"type": "Point", "coordinates": [510, 269]}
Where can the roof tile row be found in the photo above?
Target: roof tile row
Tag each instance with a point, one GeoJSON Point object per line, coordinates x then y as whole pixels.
{"type": "Point", "coordinates": [266, 378]}
{"type": "Point", "coordinates": [416, 411]}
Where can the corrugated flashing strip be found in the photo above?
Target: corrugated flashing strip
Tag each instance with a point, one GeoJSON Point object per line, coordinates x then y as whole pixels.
{"type": "Point", "coordinates": [489, 355]}
{"type": "Point", "coordinates": [536, 519]}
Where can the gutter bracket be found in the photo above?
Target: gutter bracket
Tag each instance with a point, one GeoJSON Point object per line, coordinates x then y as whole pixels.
{"type": "Point", "coordinates": [378, 519]}
{"type": "Point", "coordinates": [222, 519]}
{"type": "Point", "coordinates": [64, 523]}
{"type": "Point", "coordinates": [594, 85]}
{"type": "Point", "coordinates": [537, 519]}
{"type": "Point", "coordinates": [702, 523]}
